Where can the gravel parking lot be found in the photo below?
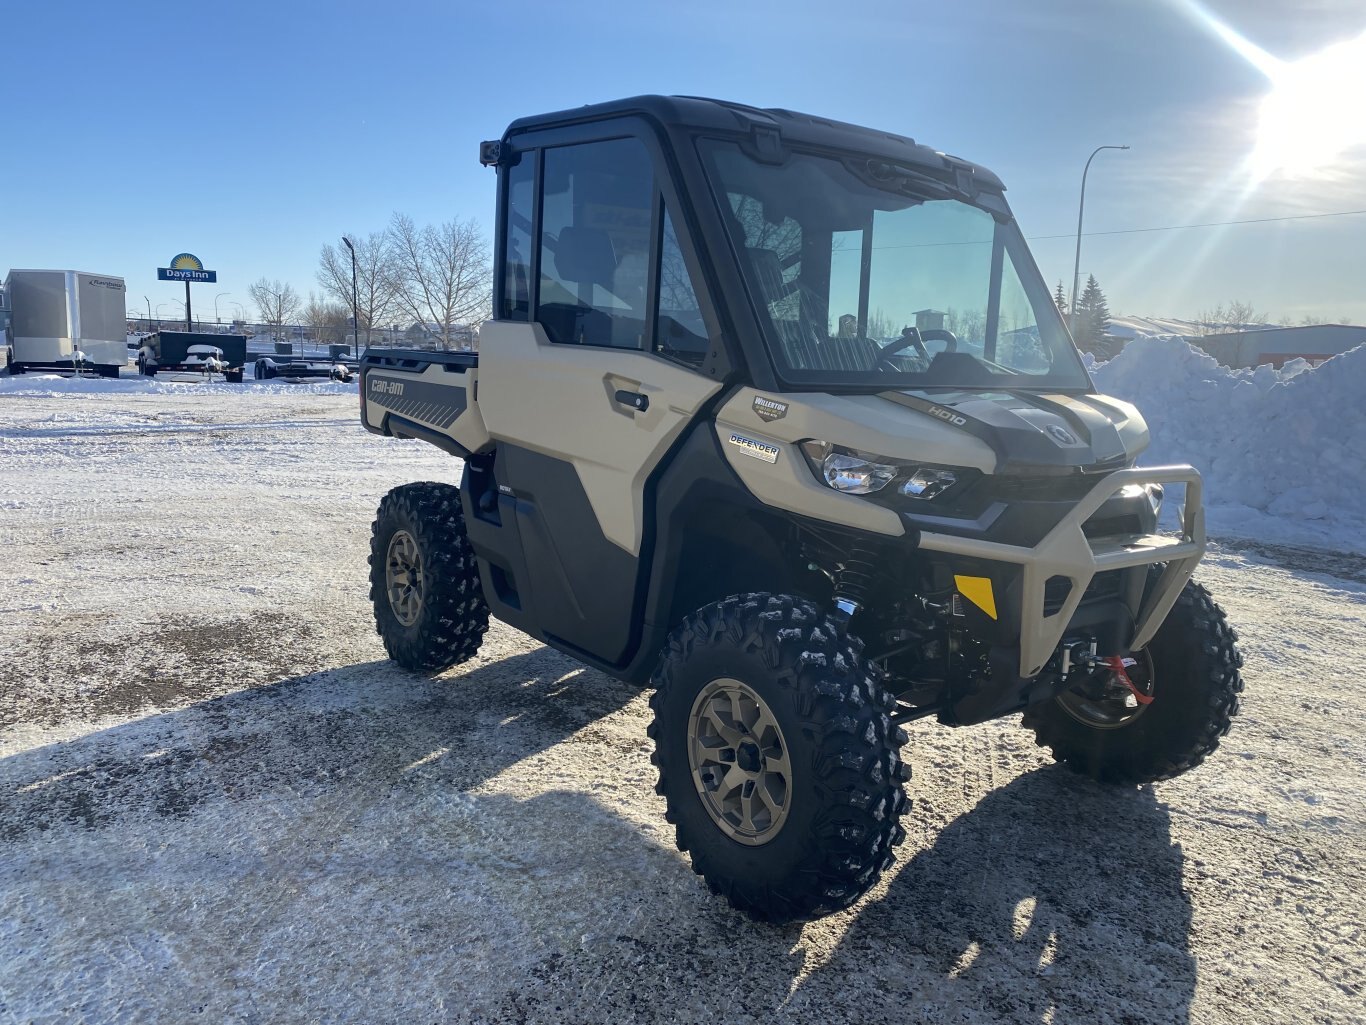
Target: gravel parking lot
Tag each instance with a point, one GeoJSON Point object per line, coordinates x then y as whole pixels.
{"type": "Point", "coordinates": [219, 803]}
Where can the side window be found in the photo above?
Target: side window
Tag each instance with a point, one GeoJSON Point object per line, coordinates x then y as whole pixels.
{"type": "Point", "coordinates": [521, 178]}
{"type": "Point", "coordinates": [1019, 345]}
{"type": "Point", "coordinates": [596, 212]}
{"type": "Point", "coordinates": [680, 332]}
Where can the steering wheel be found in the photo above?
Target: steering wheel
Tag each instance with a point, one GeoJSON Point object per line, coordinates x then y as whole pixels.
{"type": "Point", "coordinates": [949, 339]}
{"type": "Point", "coordinates": [910, 336]}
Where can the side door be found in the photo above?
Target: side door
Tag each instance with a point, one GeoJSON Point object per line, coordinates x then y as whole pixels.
{"type": "Point", "coordinates": [584, 384]}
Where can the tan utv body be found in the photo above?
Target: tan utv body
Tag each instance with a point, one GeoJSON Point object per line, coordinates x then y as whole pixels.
{"type": "Point", "coordinates": [775, 414]}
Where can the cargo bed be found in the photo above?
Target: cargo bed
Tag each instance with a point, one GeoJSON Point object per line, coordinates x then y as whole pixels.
{"type": "Point", "coordinates": [424, 395]}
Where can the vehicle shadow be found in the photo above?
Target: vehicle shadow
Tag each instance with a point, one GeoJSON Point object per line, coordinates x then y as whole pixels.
{"type": "Point", "coordinates": [1052, 900]}
{"type": "Point", "coordinates": [363, 845]}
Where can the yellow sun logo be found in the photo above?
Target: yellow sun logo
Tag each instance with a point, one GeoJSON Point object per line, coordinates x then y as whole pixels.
{"type": "Point", "coordinates": [186, 262]}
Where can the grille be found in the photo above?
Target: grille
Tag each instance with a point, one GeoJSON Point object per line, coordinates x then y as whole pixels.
{"type": "Point", "coordinates": [1103, 586]}
{"type": "Point", "coordinates": [1043, 489]}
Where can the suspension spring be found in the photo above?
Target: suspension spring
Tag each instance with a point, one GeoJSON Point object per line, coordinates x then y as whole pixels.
{"type": "Point", "coordinates": [854, 578]}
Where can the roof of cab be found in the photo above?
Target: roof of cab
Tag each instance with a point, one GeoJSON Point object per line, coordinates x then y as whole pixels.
{"type": "Point", "coordinates": [696, 112]}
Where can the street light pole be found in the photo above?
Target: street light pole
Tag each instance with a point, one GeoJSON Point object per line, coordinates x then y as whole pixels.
{"type": "Point", "coordinates": [1081, 209]}
{"type": "Point", "coordinates": [216, 317]}
{"type": "Point", "coordinates": [355, 297]}
{"type": "Point", "coordinates": [149, 312]}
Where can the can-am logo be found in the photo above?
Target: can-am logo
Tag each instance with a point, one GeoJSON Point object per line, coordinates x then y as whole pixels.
{"type": "Point", "coordinates": [947, 415]}
{"type": "Point", "coordinates": [379, 386]}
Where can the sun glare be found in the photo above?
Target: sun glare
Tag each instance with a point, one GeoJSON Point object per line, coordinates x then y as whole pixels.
{"type": "Point", "coordinates": [1313, 113]}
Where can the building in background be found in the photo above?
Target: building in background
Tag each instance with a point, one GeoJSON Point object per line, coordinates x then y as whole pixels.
{"type": "Point", "coordinates": [1277, 346]}
{"type": "Point", "coordinates": [1247, 345]}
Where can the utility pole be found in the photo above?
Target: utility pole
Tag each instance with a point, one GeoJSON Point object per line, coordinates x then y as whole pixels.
{"type": "Point", "coordinates": [1076, 266]}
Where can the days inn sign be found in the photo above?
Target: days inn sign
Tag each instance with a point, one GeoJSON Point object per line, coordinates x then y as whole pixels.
{"type": "Point", "coordinates": [186, 267]}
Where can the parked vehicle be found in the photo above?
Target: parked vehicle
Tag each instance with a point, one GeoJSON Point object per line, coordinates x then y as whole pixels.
{"type": "Point", "coordinates": [692, 459]}
{"type": "Point", "coordinates": [64, 320]}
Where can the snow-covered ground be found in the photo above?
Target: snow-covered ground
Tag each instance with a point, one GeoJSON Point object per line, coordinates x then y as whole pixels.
{"type": "Point", "coordinates": [1283, 452]}
{"type": "Point", "coordinates": [219, 803]}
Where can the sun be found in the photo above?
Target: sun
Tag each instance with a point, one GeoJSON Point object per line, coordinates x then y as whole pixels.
{"type": "Point", "coordinates": [1313, 114]}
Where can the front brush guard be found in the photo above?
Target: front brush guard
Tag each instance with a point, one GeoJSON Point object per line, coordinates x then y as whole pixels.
{"type": "Point", "coordinates": [1067, 552]}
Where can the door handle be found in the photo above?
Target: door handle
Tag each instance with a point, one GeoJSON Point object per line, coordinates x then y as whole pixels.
{"type": "Point", "coordinates": [634, 399]}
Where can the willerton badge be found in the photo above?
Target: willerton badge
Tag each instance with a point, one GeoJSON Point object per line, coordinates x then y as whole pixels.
{"type": "Point", "coordinates": [769, 409]}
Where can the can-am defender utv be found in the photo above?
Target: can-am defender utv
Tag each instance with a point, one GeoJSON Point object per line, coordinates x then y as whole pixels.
{"type": "Point", "coordinates": [777, 415]}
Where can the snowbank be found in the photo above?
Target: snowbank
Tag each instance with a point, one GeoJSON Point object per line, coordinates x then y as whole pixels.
{"type": "Point", "coordinates": [50, 385]}
{"type": "Point", "coordinates": [1283, 452]}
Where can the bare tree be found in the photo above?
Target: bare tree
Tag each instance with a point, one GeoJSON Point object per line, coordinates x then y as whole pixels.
{"type": "Point", "coordinates": [440, 273]}
{"type": "Point", "coordinates": [1236, 316]}
{"type": "Point", "coordinates": [374, 277]}
{"type": "Point", "coordinates": [277, 302]}
{"type": "Point", "coordinates": [327, 319]}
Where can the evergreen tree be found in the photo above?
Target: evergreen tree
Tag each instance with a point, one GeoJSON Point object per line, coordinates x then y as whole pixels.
{"type": "Point", "coordinates": [1092, 320]}
{"type": "Point", "coordinates": [1100, 310]}
{"type": "Point", "coordinates": [1060, 300]}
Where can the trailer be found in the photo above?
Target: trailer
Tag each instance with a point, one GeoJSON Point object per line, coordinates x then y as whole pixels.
{"type": "Point", "coordinates": [66, 320]}
{"type": "Point", "coordinates": [193, 352]}
{"type": "Point", "coordinates": [302, 368]}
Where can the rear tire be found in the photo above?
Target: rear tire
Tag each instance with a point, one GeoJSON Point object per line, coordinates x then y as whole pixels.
{"type": "Point", "coordinates": [1195, 687]}
{"type": "Point", "coordinates": [424, 583]}
{"type": "Point", "coordinates": [805, 683]}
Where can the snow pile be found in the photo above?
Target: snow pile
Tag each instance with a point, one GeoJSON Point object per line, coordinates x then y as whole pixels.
{"type": "Point", "coordinates": [1283, 452]}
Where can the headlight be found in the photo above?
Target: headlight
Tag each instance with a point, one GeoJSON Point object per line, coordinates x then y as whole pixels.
{"type": "Point", "coordinates": [856, 473]}
{"type": "Point", "coordinates": [928, 482]}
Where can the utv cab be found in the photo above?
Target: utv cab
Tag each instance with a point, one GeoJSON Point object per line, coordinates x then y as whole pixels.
{"type": "Point", "coordinates": [776, 415]}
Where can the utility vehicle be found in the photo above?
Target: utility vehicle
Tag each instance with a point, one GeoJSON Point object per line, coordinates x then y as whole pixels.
{"type": "Point", "coordinates": [776, 415]}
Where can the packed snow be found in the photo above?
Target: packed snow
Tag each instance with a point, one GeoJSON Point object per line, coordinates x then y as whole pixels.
{"type": "Point", "coordinates": [1282, 452]}
{"type": "Point", "coordinates": [219, 802]}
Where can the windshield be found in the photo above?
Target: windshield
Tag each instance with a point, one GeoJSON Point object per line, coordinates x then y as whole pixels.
{"type": "Point", "coordinates": [867, 275]}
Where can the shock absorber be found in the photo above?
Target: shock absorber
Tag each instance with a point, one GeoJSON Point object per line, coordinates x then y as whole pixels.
{"type": "Point", "coordinates": [854, 579]}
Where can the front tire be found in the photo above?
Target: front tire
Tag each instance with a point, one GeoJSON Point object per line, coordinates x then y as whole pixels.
{"type": "Point", "coordinates": [1193, 661]}
{"type": "Point", "coordinates": [769, 690]}
{"type": "Point", "coordinates": [424, 583]}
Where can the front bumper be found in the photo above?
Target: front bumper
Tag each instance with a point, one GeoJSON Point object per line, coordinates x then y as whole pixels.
{"type": "Point", "coordinates": [1066, 551]}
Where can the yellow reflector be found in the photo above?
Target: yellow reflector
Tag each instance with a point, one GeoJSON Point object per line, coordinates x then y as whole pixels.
{"type": "Point", "coordinates": [978, 591]}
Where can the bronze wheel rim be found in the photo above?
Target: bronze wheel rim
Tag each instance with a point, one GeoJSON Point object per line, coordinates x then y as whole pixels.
{"type": "Point", "coordinates": [1117, 707]}
{"type": "Point", "coordinates": [739, 761]}
{"type": "Point", "coordinates": [403, 578]}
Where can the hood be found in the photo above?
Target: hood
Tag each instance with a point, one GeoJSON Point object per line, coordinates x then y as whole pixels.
{"type": "Point", "coordinates": [1031, 432]}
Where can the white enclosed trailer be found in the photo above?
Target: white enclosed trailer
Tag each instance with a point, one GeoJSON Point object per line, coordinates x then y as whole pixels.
{"type": "Point", "coordinates": [60, 319]}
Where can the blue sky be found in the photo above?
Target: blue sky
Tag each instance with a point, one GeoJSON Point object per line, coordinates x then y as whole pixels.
{"type": "Point", "coordinates": [251, 133]}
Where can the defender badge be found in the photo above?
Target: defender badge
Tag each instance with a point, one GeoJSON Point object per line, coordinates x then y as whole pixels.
{"type": "Point", "coordinates": [769, 409]}
{"type": "Point", "coordinates": [753, 447]}
{"type": "Point", "coordinates": [1061, 435]}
